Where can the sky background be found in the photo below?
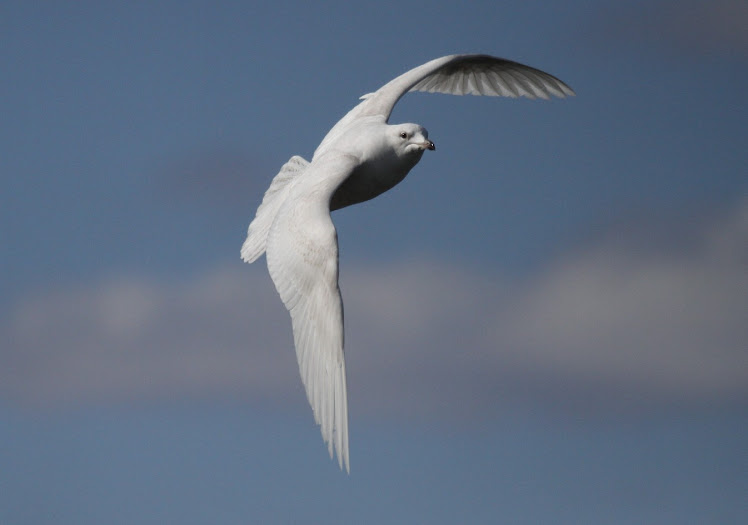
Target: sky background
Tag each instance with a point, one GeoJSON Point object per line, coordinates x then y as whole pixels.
{"type": "Point", "coordinates": [546, 322]}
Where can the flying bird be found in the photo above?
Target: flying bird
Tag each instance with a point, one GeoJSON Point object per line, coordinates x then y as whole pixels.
{"type": "Point", "coordinates": [361, 157]}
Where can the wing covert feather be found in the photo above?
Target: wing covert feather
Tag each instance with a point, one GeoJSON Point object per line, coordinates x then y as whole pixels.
{"type": "Point", "coordinates": [257, 233]}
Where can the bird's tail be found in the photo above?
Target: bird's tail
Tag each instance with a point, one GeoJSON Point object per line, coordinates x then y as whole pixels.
{"type": "Point", "coordinates": [257, 233]}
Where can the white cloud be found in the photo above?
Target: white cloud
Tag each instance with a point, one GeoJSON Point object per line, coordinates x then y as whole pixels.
{"type": "Point", "coordinates": [131, 338]}
{"type": "Point", "coordinates": [651, 323]}
{"type": "Point", "coordinates": [607, 324]}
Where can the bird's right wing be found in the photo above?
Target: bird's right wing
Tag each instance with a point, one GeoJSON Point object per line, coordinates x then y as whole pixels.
{"type": "Point", "coordinates": [465, 75]}
{"type": "Point", "coordinates": [302, 257]}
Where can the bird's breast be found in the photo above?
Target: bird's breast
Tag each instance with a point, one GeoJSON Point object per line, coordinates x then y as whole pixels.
{"type": "Point", "coordinates": [372, 178]}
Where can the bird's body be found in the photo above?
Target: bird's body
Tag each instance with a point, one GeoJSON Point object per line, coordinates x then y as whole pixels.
{"type": "Point", "coordinates": [361, 157]}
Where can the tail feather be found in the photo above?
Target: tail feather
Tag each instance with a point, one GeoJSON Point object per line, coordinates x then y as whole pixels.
{"type": "Point", "coordinates": [257, 233]}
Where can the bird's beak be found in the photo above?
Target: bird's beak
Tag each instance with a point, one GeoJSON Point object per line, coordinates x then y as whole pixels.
{"type": "Point", "coordinates": [429, 145]}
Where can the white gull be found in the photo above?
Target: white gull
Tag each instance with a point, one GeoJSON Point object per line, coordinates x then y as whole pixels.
{"type": "Point", "coordinates": [361, 157]}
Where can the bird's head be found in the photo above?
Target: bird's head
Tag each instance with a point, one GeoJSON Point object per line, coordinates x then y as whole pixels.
{"type": "Point", "coordinates": [410, 138]}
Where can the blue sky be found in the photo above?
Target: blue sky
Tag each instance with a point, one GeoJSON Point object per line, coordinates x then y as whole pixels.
{"type": "Point", "coordinates": [545, 320]}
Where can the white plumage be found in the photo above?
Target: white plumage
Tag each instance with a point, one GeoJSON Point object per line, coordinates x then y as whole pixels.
{"type": "Point", "coordinates": [361, 157]}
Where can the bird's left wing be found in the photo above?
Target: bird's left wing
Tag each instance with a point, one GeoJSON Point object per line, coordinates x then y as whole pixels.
{"type": "Point", "coordinates": [465, 75]}
{"type": "Point", "coordinates": [302, 257]}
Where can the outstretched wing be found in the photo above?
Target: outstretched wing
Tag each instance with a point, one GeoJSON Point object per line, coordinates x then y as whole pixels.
{"type": "Point", "coordinates": [466, 75]}
{"type": "Point", "coordinates": [454, 75]}
{"type": "Point", "coordinates": [302, 257]}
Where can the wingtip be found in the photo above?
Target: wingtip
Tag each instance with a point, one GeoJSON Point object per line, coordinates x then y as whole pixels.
{"type": "Point", "coordinates": [344, 462]}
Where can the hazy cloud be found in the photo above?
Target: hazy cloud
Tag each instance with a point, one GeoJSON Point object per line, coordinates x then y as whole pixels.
{"type": "Point", "coordinates": [605, 325]}
{"type": "Point", "coordinates": [693, 26]}
{"type": "Point", "coordinates": [655, 322]}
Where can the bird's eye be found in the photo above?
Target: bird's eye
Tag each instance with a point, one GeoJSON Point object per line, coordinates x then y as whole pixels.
{"type": "Point", "coordinates": [403, 135]}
